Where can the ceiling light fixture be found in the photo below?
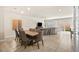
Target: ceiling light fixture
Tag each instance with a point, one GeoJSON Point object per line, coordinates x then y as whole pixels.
{"type": "Point", "coordinates": [28, 9]}
{"type": "Point", "coordinates": [22, 12]}
{"type": "Point", "coordinates": [14, 9]}
{"type": "Point", "coordinates": [60, 10]}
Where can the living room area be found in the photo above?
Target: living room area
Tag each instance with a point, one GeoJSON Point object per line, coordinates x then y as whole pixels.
{"type": "Point", "coordinates": [52, 24]}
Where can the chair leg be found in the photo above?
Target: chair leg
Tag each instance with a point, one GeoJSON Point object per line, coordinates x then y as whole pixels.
{"type": "Point", "coordinates": [20, 40]}
{"type": "Point", "coordinates": [15, 38]}
{"type": "Point", "coordinates": [21, 43]}
{"type": "Point", "coordinates": [38, 45]}
{"type": "Point", "coordinates": [42, 43]}
{"type": "Point", "coordinates": [25, 46]}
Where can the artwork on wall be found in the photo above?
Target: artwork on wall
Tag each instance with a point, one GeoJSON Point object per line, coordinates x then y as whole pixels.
{"type": "Point", "coordinates": [67, 27]}
{"type": "Point", "coordinates": [16, 23]}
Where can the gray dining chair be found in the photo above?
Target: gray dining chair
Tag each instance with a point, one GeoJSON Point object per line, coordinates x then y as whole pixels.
{"type": "Point", "coordinates": [25, 41]}
{"type": "Point", "coordinates": [16, 34]}
{"type": "Point", "coordinates": [39, 37]}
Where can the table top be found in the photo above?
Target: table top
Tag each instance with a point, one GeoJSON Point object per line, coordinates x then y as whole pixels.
{"type": "Point", "coordinates": [31, 33]}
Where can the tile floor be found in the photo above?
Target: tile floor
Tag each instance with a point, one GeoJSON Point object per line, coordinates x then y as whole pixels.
{"type": "Point", "coordinates": [51, 44]}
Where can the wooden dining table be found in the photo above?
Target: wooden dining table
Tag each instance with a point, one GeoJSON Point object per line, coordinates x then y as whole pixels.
{"type": "Point", "coordinates": [31, 33]}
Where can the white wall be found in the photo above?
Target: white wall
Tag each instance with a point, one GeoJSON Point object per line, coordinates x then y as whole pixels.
{"type": "Point", "coordinates": [1, 19]}
{"type": "Point", "coordinates": [1, 23]}
{"type": "Point", "coordinates": [60, 22]}
{"type": "Point", "coordinates": [63, 21]}
{"type": "Point", "coordinates": [27, 22]}
{"type": "Point", "coordinates": [8, 17]}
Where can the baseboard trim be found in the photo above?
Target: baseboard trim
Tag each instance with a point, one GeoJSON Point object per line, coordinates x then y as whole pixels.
{"type": "Point", "coordinates": [9, 36]}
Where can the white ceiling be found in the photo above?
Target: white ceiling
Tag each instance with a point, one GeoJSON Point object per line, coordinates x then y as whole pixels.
{"type": "Point", "coordinates": [42, 11]}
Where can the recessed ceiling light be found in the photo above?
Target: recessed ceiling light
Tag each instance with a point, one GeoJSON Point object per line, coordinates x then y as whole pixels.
{"type": "Point", "coordinates": [28, 9]}
{"type": "Point", "coordinates": [60, 10]}
{"type": "Point", "coordinates": [22, 12]}
{"type": "Point", "coordinates": [14, 9]}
